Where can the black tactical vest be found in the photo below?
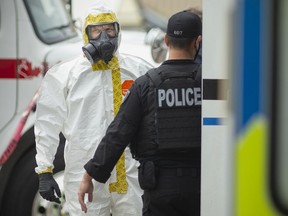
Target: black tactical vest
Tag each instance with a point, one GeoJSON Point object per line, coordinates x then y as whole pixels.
{"type": "Point", "coordinates": [173, 121]}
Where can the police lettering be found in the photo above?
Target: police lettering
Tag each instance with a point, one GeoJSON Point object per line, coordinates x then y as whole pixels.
{"type": "Point", "coordinates": [179, 97]}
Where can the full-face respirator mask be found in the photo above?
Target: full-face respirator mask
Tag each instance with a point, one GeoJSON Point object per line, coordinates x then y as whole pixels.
{"type": "Point", "coordinates": [103, 42]}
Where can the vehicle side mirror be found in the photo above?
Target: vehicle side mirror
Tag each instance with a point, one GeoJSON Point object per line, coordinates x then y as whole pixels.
{"type": "Point", "coordinates": [155, 38]}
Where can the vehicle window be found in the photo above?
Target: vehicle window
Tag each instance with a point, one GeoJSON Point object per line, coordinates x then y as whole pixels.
{"type": "Point", "coordinates": [279, 141]}
{"type": "Point", "coordinates": [50, 20]}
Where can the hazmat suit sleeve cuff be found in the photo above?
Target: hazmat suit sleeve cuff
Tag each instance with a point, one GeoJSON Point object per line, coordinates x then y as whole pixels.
{"type": "Point", "coordinates": [95, 171]}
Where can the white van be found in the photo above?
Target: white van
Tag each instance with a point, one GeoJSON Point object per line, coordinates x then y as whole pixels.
{"type": "Point", "coordinates": [34, 35]}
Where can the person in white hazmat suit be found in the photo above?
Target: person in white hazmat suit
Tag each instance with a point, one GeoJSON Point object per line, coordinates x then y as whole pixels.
{"type": "Point", "coordinates": [80, 98]}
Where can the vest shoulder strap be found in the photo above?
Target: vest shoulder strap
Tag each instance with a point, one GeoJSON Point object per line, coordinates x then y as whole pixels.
{"type": "Point", "coordinates": [154, 76]}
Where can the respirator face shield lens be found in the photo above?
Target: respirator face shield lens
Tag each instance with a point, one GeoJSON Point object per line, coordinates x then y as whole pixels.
{"type": "Point", "coordinates": [94, 31]}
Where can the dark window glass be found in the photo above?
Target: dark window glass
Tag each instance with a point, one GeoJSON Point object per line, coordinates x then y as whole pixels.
{"type": "Point", "coordinates": [50, 20]}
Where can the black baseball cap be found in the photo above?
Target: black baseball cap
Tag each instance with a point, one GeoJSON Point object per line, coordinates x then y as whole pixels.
{"type": "Point", "coordinates": [184, 24]}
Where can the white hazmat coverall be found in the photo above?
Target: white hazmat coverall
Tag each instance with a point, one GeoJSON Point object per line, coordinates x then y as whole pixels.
{"type": "Point", "coordinates": [80, 100]}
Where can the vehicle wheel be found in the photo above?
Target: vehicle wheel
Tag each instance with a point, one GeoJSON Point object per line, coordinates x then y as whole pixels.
{"type": "Point", "coordinates": [21, 195]}
{"type": "Point", "coordinates": [22, 187]}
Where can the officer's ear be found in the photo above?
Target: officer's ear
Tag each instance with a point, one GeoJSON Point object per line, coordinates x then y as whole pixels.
{"type": "Point", "coordinates": [198, 42]}
{"type": "Point", "coordinates": [166, 41]}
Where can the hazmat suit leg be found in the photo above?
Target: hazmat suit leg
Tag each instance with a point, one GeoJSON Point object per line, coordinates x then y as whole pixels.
{"type": "Point", "coordinates": [122, 204]}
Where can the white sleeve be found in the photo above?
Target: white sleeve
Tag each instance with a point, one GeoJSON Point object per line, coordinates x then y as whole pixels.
{"type": "Point", "coordinates": [144, 66]}
{"type": "Point", "coordinates": [50, 116]}
{"type": "Point", "coordinates": [136, 64]}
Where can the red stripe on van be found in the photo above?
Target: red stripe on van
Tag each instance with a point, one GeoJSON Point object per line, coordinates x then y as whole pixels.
{"type": "Point", "coordinates": [25, 69]}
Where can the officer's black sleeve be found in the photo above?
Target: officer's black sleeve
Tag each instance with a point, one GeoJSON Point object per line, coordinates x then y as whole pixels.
{"type": "Point", "coordinates": [118, 135]}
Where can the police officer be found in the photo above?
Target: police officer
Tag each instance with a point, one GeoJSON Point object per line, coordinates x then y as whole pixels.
{"type": "Point", "coordinates": [160, 119]}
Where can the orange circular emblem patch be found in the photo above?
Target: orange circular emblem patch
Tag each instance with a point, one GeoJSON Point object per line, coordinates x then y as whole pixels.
{"type": "Point", "coordinates": [126, 85]}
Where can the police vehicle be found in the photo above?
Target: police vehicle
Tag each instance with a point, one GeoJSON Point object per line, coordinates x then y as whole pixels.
{"type": "Point", "coordinates": [245, 120]}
